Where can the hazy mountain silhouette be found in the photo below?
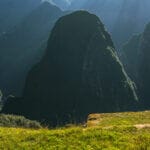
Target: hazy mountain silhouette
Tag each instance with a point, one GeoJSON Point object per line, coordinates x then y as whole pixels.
{"type": "Point", "coordinates": [12, 12]}
{"type": "Point", "coordinates": [135, 57]}
{"type": "Point", "coordinates": [21, 48]}
{"type": "Point", "coordinates": [121, 17]}
{"type": "Point", "coordinates": [144, 68]}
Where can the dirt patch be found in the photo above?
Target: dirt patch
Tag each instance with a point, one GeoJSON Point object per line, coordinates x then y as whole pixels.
{"type": "Point", "coordinates": [141, 126]}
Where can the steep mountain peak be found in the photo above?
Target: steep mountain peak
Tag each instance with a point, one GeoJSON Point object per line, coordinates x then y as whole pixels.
{"type": "Point", "coordinates": [79, 74]}
{"type": "Point", "coordinates": [69, 28]}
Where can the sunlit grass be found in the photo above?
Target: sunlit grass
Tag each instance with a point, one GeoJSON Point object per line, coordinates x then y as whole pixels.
{"type": "Point", "coordinates": [126, 118]}
{"type": "Point", "coordinates": [118, 137]}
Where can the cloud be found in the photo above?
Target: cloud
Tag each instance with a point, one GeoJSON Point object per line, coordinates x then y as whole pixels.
{"type": "Point", "coordinates": [51, 1]}
{"type": "Point", "coordinates": [68, 2]}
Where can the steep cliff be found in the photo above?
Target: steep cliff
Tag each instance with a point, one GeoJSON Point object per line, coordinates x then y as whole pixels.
{"type": "Point", "coordinates": [136, 59]}
{"type": "Point", "coordinates": [79, 74]}
{"type": "Point", "coordinates": [144, 68]}
{"type": "Point", "coordinates": [130, 56]}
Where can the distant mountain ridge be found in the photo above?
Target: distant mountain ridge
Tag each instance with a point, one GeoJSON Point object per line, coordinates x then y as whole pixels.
{"type": "Point", "coordinates": [13, 12]}
{"type": "Point", "coordinates": [136, 59]}
{"type": "Point", "coordinates": [22, 47]}
{"type": "Point", "coordinates": [121, 17]}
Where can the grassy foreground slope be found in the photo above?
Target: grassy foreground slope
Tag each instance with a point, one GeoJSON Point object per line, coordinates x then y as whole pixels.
{"type": "Point", "coordinates": [119, 119]}
{"type": "Point", "coordinates": [108, 136]}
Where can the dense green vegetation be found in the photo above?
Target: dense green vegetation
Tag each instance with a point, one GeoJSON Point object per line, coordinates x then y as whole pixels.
{"type": "Point", "coordinates": [118, 137]}
{"type": "Point", "coordinates": [144, 68]}
{"type": "Point", "coordinates": [1, 96]}
{"type": "Point", "coordinates": [17, 121]}
{"type": "Point", "coordinates": [136, 59]}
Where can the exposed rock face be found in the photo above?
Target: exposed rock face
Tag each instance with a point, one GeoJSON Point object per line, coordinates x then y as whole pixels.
{"type": "Point", "coordinates": [79, 74]}
{"type": "Point", "coordinates": [130, 56]}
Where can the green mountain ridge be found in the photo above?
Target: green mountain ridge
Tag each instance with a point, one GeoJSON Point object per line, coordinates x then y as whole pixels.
{"type": "Point", "coordinates": [73, 78]}
{"type": "Point", "coordinates": [135, 57]}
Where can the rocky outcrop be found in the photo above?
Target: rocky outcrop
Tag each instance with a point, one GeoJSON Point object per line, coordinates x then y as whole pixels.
{"type": "Point", "coordinates": [79, 74]}
{"type": "Point", "coordinates": [130, 56]}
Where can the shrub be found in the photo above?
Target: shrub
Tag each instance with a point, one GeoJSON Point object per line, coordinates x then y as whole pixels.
{"type": "Point", "coordinates": [18, 121]}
